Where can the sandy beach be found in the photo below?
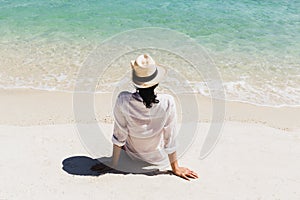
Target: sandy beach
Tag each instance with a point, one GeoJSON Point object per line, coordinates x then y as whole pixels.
{"type": "Point", "coordinates": [42, 156]}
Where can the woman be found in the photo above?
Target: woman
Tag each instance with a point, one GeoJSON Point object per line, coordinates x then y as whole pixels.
{"type": "Point", "coordinates": [145, 124]}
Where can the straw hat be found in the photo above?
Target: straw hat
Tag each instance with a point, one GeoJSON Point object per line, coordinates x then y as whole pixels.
{"type": "Point", "coordinates": [145, 73]}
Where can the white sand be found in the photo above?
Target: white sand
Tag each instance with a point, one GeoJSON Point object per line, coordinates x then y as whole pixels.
{"type": "Point", "coordinates": [251, 161]}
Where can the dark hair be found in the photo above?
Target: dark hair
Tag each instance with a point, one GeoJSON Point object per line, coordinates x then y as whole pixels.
{"type": "Point", "coordinates": [148, 95]}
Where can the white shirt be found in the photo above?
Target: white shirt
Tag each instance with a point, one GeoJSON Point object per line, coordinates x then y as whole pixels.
{"type": "Point", "coordinates": [146, 133]}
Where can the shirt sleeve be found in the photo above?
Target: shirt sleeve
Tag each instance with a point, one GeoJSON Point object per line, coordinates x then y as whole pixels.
{"type": "Point", "coordinates": [120, 131]}
{"type": "Point", "coordinates": [170, 128]}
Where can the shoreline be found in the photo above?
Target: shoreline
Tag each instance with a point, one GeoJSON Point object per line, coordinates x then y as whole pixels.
{"type": "Point", "coordinates": [3, 89]}
{"type": "Point", "coordinates": [30, 107]}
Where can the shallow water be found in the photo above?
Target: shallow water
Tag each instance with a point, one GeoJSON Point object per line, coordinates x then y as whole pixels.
{"type": "Point", "coordinates": [254, 44]}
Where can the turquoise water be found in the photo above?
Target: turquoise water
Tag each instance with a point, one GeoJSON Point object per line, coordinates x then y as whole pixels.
{"type": "Point", "coordinates": [255, 44]}
{"type": "Point", "coordinates": [272, 24]}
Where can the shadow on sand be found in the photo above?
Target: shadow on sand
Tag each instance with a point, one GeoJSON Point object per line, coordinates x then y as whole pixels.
{"type": "Point", "coordinates": [81, 165]}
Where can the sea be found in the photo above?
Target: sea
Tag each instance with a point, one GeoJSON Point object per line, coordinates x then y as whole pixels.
{"type": "Point", "coordinates": [254, 44]}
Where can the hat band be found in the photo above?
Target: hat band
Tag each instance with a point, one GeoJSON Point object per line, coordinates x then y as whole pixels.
{"type": "Point", "coordinates": [136, 78]}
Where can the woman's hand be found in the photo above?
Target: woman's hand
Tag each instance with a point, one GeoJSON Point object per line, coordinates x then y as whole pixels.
{"type": "Point", "coordinates": [185, 173]}
{"type": "Point", "coordinates": [182, 172]}
{"type": "Point", "coordinates": [100, 167]}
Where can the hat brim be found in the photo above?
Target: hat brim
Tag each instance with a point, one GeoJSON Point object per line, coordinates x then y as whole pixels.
{"type": "Point", "coordinates": [161, 72]}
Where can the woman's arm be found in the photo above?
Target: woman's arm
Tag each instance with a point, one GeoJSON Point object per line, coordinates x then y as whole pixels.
{"type": "Point", "coordinates": [101, 167]}
{"type": "Point", "coordinates": [115, 156]}
{"type": "Point", "coordinates": [180, 171]}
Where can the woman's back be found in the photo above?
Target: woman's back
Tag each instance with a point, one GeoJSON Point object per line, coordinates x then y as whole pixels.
{"type": "Point", "coordinates": [149, 132]}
